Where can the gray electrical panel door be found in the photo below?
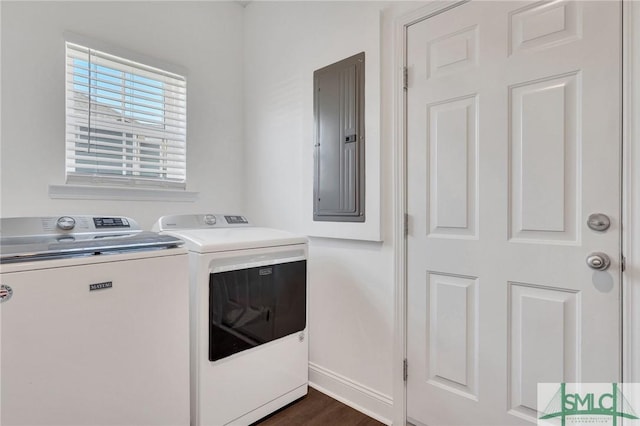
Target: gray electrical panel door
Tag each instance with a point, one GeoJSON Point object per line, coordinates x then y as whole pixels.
{"type": "Point", "coordinates": [338, 191]}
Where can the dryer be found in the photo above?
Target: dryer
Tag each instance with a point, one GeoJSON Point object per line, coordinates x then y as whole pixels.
{"type": "Point", "coordinates": [93, 323]}
{"type": "Point", "coordinates": [249, 346]}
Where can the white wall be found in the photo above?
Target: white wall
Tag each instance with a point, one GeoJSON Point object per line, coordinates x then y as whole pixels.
{"type": "Point", "coordinates": [203, 37]}
{"type": "Point", "coordinates": [351, 282]}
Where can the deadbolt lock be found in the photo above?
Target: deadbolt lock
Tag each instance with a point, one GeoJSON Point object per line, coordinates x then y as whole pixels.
{"type": "Point", "coordinates": [598, 222]}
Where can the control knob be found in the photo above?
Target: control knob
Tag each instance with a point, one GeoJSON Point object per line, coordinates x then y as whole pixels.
{"type": "Point", "coordinates": [66, 223]}
{"type": "Point", "coordinates": [209, 219]}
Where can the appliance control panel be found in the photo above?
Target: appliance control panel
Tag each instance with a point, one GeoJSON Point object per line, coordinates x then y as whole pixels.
{"type": "Point", "coordinates": [66, 225]}
{"type": "Point", "coordinates": [199, 221]}
{"type": "Point", "coordinates": [233, 220]}
{"type": "Point", "coordinates": [111, 222]}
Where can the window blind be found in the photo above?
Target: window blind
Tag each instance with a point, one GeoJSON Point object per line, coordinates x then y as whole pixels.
{"type": "Point", "coordinates": [125, 121]}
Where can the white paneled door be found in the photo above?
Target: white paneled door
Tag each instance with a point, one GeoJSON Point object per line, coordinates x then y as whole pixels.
{"type": "Point", "coordinates": [513, 113]}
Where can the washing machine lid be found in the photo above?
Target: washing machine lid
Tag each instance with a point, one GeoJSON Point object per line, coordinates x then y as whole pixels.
{"type": "Point", "coordinates": [207, 233]}
{"type": "Point", "coordinates": [55, 237]}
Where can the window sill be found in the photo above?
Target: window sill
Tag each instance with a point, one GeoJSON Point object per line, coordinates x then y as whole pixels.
{"type": "Point", "coordinates": [86, 192]}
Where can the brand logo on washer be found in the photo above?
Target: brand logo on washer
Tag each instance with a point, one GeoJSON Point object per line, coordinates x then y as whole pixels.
{"type": "Point", "coordinates": [5, 293]}
{"type": "Point", "coordinates": [266, 271]}
{"type": "Point", "coordinates": [100, 286]}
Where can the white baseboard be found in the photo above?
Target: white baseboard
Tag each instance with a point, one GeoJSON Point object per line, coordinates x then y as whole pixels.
{"type": "Point", "coordinates": [362, 398]}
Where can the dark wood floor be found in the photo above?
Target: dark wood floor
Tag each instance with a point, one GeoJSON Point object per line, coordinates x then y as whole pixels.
{"type": "Point", "coordinates": [318, 409]}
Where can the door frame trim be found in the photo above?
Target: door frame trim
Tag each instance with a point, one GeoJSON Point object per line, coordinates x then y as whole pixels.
{"type": "Point", "coordinates": [399, 55]}
{"type": "Point", "coordinates": [630, 194]}
{"type": "Point", "coordinates": [631, 191]}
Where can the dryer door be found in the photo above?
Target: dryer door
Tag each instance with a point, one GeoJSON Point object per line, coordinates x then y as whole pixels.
{"type": "Point", "coordinates": [253, 306]}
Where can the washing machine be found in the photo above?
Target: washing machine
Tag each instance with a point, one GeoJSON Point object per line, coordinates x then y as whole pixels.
{"type": "Point", "coordinates": [94, 323]}
{"type": "Point", "coordinates": [249, 346]}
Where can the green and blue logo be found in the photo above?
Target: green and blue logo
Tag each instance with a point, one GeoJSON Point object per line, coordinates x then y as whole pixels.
{"type": "Point", "coordinates": [586, 403]}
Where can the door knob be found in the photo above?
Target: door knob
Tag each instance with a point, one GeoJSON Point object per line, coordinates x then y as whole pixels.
{"type": "Point", "coordinates": [598, 261]}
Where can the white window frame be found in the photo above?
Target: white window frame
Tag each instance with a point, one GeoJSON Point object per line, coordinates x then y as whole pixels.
{"type": "Point", "coordinates": [97, 186]}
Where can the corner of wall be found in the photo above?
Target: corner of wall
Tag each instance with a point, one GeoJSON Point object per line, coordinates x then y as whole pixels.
{"type": "Point", "coordinates": [362, 398]}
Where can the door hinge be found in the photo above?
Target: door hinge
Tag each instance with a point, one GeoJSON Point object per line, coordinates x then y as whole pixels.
{"type": "Point", "coordinates": [405, 370]}
{"type": "Point", "coordinates": [405, 78]}
{"type": "Point", "coordinates": [406, 224]}
{"type": "Point", "coordinates": [623, 263]}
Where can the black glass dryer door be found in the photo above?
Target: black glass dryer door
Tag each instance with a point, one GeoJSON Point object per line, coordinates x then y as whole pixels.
{"type": "Point", "coordinates": [253, 306]}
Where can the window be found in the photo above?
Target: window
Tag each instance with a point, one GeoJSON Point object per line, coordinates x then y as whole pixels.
{"type": "Point", "coordinates": [126, 122]}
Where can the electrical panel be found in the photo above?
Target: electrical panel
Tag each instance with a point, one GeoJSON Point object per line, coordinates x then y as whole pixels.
{"type": "Point", "coordinates": [338, 191]}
